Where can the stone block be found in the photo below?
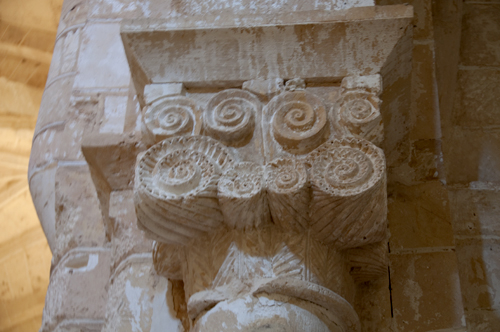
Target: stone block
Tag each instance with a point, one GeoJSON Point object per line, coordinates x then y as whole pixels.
{"type": "Point", "coordinates": [126, 239]}
{"type": "Point", "coordinates": [62, 140]}
{"type": "Point", "coordinates": [426, 291]}
{"type": "Point", "coordinates": [422, 22]}
{"type": "Point", "coordinates": [77, 287]}
{"type": "Point", "coordinates": [426, 117]}
{"type": "Point", "coordinates": [42, 188]}
{"type": "Point", "coordinates": [422, 165]}
{"type": "Point", "coordinates": [102, 62]}
{"type": "Point", "coordinates": [479, 103]}
{"type": "Point", "coordinates": [154, 92]}
{"type": "Point", "coordinates": [479, 267]}
{"type": "Point", "coordinates": [472, 155]}
{"type": "Point", "coordinates": [79, 222]}
{"type": "Point", "coordinates": [372, 83]}
{"type": "Point", "coordinates": [65, 54]}
{"type": "Point", "coordinates": [419, 216]}
{"type": "Point", "coordinates": [113, 120]}
{"type": "Point", "coordinates": [140, 300]}
{"type": "Point", "coordinates": [73, 12]}
{"type": "Point", "coordinates": [103, 152]}
{"type": "Point", "coordinates": [480, 34]}
{"type": "Point", "coordinates": [55, 102]}
{"type": "Point", "coordinates": [373, 305]}
{"type": "Point", "coordinates": [475, 212]}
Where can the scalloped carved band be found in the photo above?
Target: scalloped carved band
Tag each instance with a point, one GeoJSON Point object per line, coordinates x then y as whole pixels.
{"type": "Point", "coordinates": [189, 186]}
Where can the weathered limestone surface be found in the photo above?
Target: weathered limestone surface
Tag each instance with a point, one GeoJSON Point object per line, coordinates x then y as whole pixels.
{"type": "Point", "coordinates": [266, 147]}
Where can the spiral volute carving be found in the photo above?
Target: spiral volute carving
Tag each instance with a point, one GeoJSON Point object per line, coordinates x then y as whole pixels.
{"type": "Point", "coordinates": [242, 196]}
{"type": "Point", "coordinates": [347, 167]}
{"type": "Point", "coordinates": [173, 116]}
{"type": "Point", "coordinates": [348, 205]}
{"type": "Point", "coordinates": [360, 114]}
{"type": "Point", "coordinates": [230, 117]}
{"type": "Point", "coordinates": [286, 175]}
{"type": "Point", "coordinates": [176, 188]}
{"type": "Point", "coordinates": [300, 122]}
{"type": "Point", "coordinates": [288, 193]}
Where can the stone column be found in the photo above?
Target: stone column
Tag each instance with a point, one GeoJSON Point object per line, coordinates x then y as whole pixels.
{"type": "Point", "coordinates": [249, 142]}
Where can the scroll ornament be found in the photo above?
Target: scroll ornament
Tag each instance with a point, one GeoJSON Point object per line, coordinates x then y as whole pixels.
{"type": "Point", "coordinates": [176, 191]}
{"type": "Point", "coordinates": [348, 205]}
{"type": "Point", "coordinates": [169, 117]}
{"type": "Point", "coordinates": [360, 114]}
{"type": "Point", "coordinates": [300, 122]}
{"type": "Point", "coordinates": [230, 117]}
{"type": "Point", "coordinates": [242, 197]}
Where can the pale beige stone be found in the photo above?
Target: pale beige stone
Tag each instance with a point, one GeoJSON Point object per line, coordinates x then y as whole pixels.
{"type": "Point", "coordinates": [78, 218]}
{"type": "Point", "coordinates": [77, 290]}
{"type": "Point", "coordinates": [153, 92]}
{"type": "Point", "coordinates": [258, 171]}
{"type": "Point", "coordinates": [102, 62]}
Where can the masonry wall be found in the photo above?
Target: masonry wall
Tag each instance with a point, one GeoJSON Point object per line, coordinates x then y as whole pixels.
{"type": "Point", "coordinates": [443, 200]}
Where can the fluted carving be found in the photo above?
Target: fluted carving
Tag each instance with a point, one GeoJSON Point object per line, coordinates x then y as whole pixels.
{"type": "Point", "coordinates": [176, 188]}
{"type": "Point", "coordinates": [348, 206]}
{"type": "Point", "coordinates": [360, 114]}
{"type": "Point", "coordinates": [300, 122]}
{"type": "Point", "coordinates": [242, 196]}
{"type": "Point", "coordinates": [288, 193]}
{"type": "Point", "coordinates": [167, 260]}
{"type": "Point", "coordinates": [368, 262]}
{"type": "Point", "coordinates": [230, 117]}
{"type": "Point", "coordinates": [174, 116]}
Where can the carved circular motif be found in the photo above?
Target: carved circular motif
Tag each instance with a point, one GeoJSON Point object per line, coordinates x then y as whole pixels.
{"type": "Point", "coordinates": [181, 166]}
{"type": "Point", "coordinates": [347, 167]}
{"type": "Point", "coordinates": [286, 175]}
{"type": "Point", "coordinates": [359, 107]}
{"type": "Point", "coordinates": [230, 116]}
{"type": "Point", "coordinates": [245, 179]}
{"type": "Point", "coordinates": [300, 121]}
{"type": "Point", "coordinates": [170, 117]}
{"type": "Point", "coordinates": [181, 171]}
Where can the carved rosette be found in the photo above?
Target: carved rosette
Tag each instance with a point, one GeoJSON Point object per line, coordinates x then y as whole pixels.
{"type": "Point", "coordinates": [176, 188]}
{"type": "Point", "coordinates": [288, 193]}
{"type": "Point", "coordinates": [300, 122]}
{"type": "Point", "coordinates": [360, 114]}
{"type": "Point", "coordinates": [349, 204]}
{"type": "Point", "coordinates": [174, 116]}
{"type": "Point", "coordinates": [230, 117]}
{"type": "Point", "coordinates": [242, 196]}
